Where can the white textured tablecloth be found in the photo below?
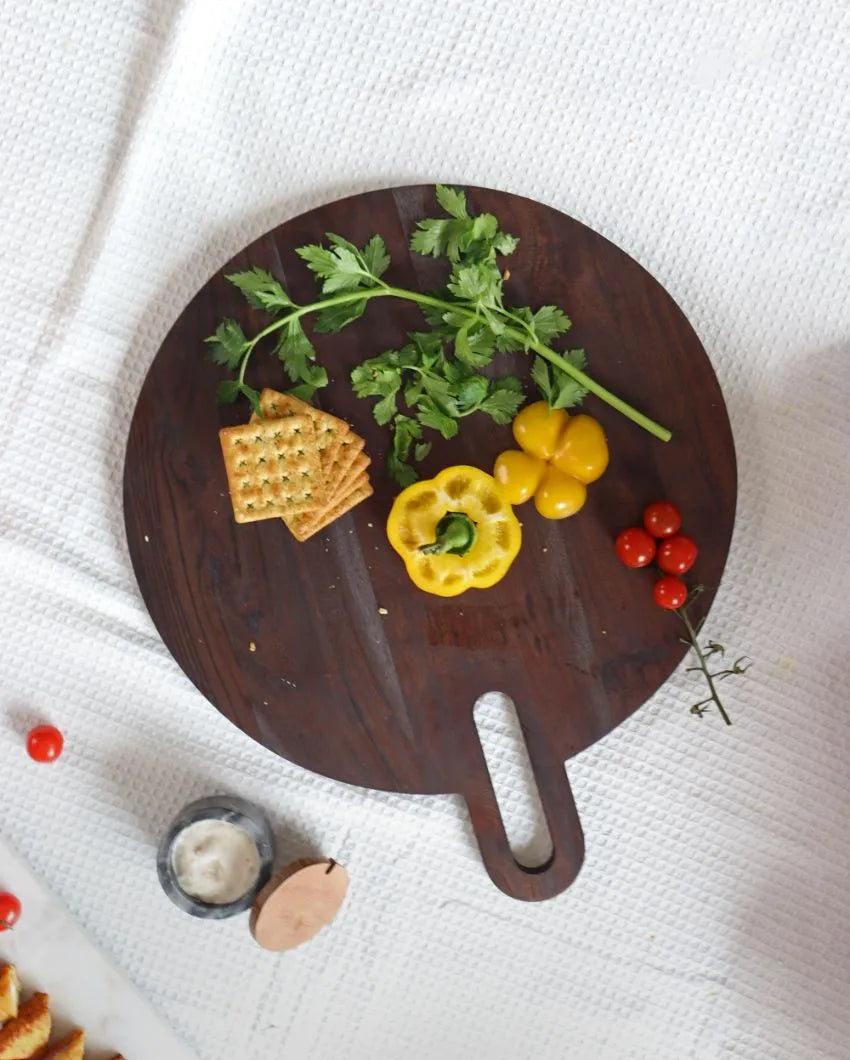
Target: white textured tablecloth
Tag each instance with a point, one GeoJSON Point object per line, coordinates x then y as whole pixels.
{"type": "Point", "coordinates": [142, 145]}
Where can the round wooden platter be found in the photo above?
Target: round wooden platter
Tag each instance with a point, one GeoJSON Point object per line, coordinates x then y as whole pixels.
{"type": "Point", "coordinates": [324, 651]}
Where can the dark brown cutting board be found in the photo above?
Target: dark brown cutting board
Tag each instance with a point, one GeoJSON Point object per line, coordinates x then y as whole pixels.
{"type": "Point", "coordinates": [386, 701]}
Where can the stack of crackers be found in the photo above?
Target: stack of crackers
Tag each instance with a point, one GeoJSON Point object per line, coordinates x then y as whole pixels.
{"type": "Point", "coordinates": [26, 1028]}
{"type": "Point", "coordinates": [294, 463]}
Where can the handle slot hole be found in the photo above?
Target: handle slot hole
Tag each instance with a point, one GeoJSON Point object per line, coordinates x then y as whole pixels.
{"type": "Point", "coordinates": [513, 780]}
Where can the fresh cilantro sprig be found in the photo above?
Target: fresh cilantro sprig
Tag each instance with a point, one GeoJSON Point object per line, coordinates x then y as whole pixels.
{"type": "Point", "coordinates": [421, 383]}
{"type": "Point", "coordinates": [437, 378]}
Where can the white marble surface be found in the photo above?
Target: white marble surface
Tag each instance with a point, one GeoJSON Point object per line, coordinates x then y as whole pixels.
{"type": "Point", "coordinates": [54, 956]}
{"type": "Point", "coordinates": [143, 143]}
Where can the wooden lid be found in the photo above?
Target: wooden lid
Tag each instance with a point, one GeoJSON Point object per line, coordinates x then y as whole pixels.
{"type": "Point", "coordinates": [298, 902]}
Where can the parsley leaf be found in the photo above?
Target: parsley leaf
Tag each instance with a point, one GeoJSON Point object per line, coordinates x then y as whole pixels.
{"type": "Point", "coordinates": [480, 284]}
{"type": "Point", "coordinates": [377, 377]}
{"type": "Point", "coordinates": [375, 256]}
{"type": "Point", "coordinates": [295, 351]}
{"type": "Point", "coordinates": [503, 404]}
{"type": "Point", "coordinates": [319, 259]}
{"type": "Point", "coordinates": [452, 201]}
{"type": "Point", "coordinates": [556, 386]}
{"type": "Point", "coordinates": [335, 317]}
{"type": "Point", "coordinates": [304, 392]}
{"type": "Point", "coordinates": [405, 432]}
{"type": "Point", "coordinates": [253, 396]}
{"type": "Point", "coordinates": [430, 416]}
{"type": "Point", "coordinates": [548, 322]}
{"type": "Point", "coordinates": [440, 237]}
{"type": "Point", "coordinates": [540, 378]}
{"type": "Point", "coordinates": [475, 346]}
{"type": "Point", "coordinates": [227, 344]}
{"type": "Point", "coordinates": [505, 244]}
{"type": "Point", "coordinates": [386, 408]}
{"type": "Point", "coordinates": [227, 392]}
{"type": "Point", "coordinates": [343, 267]}
{"type": "Point", "coordinates": [472, 392]}
{"type": "Point", "coordinates": [261, 289]}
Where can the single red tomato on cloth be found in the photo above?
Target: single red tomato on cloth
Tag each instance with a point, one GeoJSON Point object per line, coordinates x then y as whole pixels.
{"type": "Point", "coordinates": [662, 518]}
{"type": "Point", "coordinates": [10, 911]}
{"type": "Point", "coordinates": [45, 743]}
{"type": "Point", "coordinates": [676, 554]}
{"type": "Point", "coordinates": [635, 547]}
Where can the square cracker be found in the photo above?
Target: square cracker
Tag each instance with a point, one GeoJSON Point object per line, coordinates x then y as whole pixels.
{"type": "Point", "coordinates": [304, 527]}
{"type": "Point", "coordinates": [272, 468]}
{"type": "Point", "coordinates": [349, 480]}
{"type": "Point", "coordinates": [351, 448]}
{"type": "Point", "coordinates": [353, 478]}
{"type": "Point", "coordinates": [330, 430]}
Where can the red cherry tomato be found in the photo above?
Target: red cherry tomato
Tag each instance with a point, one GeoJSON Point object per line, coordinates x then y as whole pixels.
{"type": "Point", "coordinates": [670, 592]}
{"type": "Point", "coordinates": [10, 910]}
{"type": "Point", "coordinates": [676, 554]}
{"type": "Point", "coordinates": [635, 547]}
{"type": "Point", "coordinates": [45, 743]}
{"type": "Point", "coordinates": [662, 518]}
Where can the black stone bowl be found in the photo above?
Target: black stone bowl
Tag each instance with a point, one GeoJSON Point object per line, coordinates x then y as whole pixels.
{"type": "Point", "coordinates": [236, 811]}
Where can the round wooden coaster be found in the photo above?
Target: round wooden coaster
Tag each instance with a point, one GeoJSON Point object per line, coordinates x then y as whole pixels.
{"type": "Point", "coordinates": [298, 902]}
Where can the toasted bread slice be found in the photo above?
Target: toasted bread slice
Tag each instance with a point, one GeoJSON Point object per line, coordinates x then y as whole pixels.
{"type": "Point", "coordinates": [24, 1036]}
{"type": "Point", "coordinates": [10, 992]}
{"type": "Point", "coordinates": [72, 1047]}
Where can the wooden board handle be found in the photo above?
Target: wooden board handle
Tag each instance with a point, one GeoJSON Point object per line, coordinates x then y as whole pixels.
{"type": "Point", "coordinates": [561, 868]}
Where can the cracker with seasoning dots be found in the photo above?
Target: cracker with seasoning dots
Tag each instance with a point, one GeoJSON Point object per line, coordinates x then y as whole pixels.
{"type": "Point", "coordinates": [273, 468]}
{"type": "Point", "coordinates": [330, 430]}
{"type": "Point", "coordinates": [305, 528]}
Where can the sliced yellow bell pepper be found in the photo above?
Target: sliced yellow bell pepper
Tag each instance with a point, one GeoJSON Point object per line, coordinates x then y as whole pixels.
{"type": "Point", "coordinates": [454, 532]}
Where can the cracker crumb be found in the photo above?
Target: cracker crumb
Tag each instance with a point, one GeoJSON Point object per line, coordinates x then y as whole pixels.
{"type": "Point", "coordinates": [383, 611]}
{"type": "Point", "coordinates": [252, 646]}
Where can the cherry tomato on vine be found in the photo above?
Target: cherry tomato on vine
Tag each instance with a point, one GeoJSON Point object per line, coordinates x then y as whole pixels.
{"type": "Point", "coordinates": [670, 593]}
{"type": "Point", "coordinates": [10, 910]}
{"type": "Point", "coordinates": [662, 518]}
{"type": "Point", "coordinates": [635, 547]}
{"type": "Point", "coordinates": [676, 554]}
{"type": "Point", "coordinates": [45, 743]}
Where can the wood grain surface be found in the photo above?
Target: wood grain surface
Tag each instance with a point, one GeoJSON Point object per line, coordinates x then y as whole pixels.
{"type": "Point", "coordinates": [386, 700]}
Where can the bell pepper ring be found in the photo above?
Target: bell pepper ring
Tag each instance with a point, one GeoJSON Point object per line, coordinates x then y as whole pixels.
{"type": "Point", "coordinates": [454, 532]}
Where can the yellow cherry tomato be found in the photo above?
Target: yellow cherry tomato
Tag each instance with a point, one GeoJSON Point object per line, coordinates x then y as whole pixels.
{"type": "Point", "coordinates": [518, 475]}
{"type": "Point", "coordinates": [559, 495]}
{"type": "Point", "coordinates": [538, 429]}
{"type": "Point", "coordinates": [583, 449]}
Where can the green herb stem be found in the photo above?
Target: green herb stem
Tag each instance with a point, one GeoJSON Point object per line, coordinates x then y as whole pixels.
{"type": "Point", "coordinates": [313, 307]}
{"type": "Point", "coordinates": [550, 355]}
